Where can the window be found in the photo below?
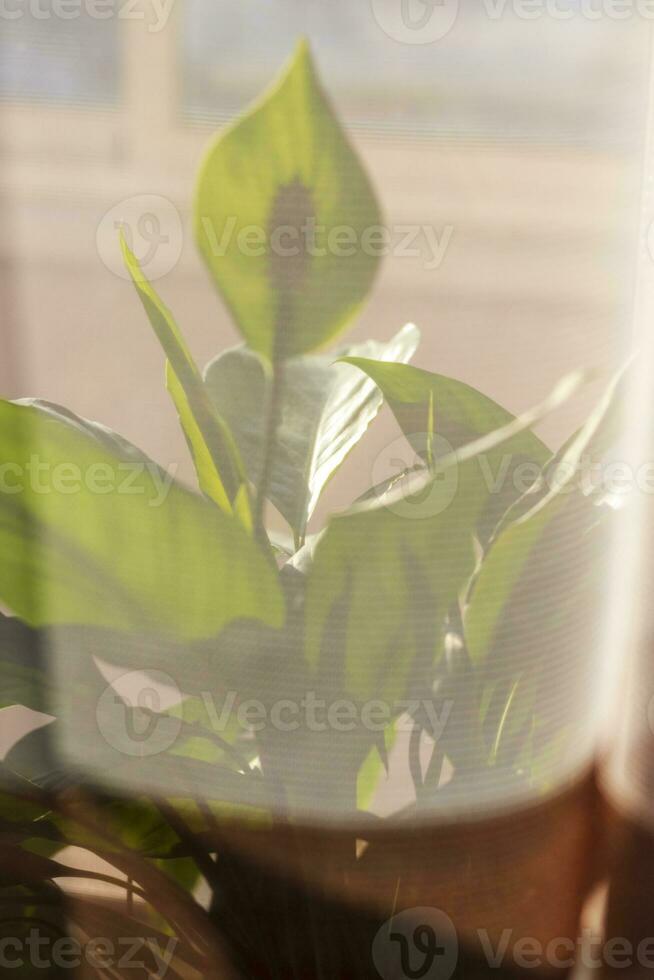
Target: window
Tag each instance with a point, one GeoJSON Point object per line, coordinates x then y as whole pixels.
{"type": "Point", "coordinates": [59, 61]}
{"type": "Point", "coordinates": [502, 74]}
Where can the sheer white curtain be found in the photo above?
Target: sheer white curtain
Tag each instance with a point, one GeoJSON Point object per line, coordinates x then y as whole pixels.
{"type": "Point", "coordinates": [518, 140]}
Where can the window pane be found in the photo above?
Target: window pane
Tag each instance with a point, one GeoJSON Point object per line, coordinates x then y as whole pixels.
{"type": "Point", "coordinates": [53, 60]}
{"type": "Point", "coordinates": [491, 74]}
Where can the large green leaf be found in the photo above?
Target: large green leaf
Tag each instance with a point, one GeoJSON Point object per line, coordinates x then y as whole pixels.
{"type": "Point", "coordinates": [384, 577]}
{"type": "Point", "coordinates": [326, 408]}
{"type": "Point", "coordinates": [284, 213]}
{"type": "Point", "coordinates": [89, 536]}
{"type": "Point", "coordinates": [104, 436]}
{"type": "Point", "coordinates": [136, 823]}
{"type": "Point", "coordinates": [219, 469]}
{"type": "Point", "coordinates": [424, 402]}
{"type": "Point", "coordinates": [33, 758]}
{"type": "Point", "coordinates": [66, 754]}
{"type": "Point", "coordinates": [534, 619]}
{"type": "Point", "coordinates": [383, 566]}
{"type": "Point", "coordinates": [535, 607]}
{"type": "Point", "coordinates": [558, 499]}
{"type": "Point", "coordinates": [375, 767]}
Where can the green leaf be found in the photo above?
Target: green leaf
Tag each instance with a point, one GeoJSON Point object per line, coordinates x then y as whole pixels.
{"type": "Point", "coordinates": [219, 469]}
{"type": "Point", "coordinates": [326, 408]}
{"type": "Point", "coordinates": [103, 739]}
{"type": "Point", "coordinates": [375, 767]}
{"type": "Point", "coordinates": [397, 568]}
{"type": "Point", "coordinates": [32, 758]}
{"type": "Point", "coordinates": [595, 442]}
{"type": "Point", "coordinates": [555, 506]}
{"type": "Point", "coordinates": [90, 537]}
{"type": "Point", "coordinates": [23, 676]}
{"type": "Point", "coordinates": [535, 608]}
{"type": "Point", "coordinates": [378, 561]}
{"type": "Point", "coordinates": [536, 601]}
{"type": "Point", "coordinates": [136, 823]}
{"type": "Point", "coordinates": [18, 808]}
{"type": "Point", "coordinates": [180, 781]}
{"type": "Point", "coordinates": [101, 434]}
{"type": "Point", "coordinates": [118, 786]}
{"type": "Point", "coordinates": [183, 871]}
{"type": "Point", "coordinates": [425, 404]}
{"type": "Point", "coordinates": [284, 179]}
{"type": "Point", "coordinates": [26, 820]}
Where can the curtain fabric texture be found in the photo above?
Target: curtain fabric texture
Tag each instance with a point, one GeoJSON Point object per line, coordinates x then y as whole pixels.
{"type": "Point", "coordinates": [504, 163]}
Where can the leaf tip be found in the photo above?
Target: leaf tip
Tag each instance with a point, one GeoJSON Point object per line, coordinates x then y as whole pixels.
{"type": "Point", "coordinates": [303, 56]}
{"type": "Point", "coordinates": [130, 260]}
{"type": "Point", "coordinates": [411, 330]}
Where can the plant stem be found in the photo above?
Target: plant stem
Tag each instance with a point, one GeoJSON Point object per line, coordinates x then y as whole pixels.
{"type": "Point", "coordinates": [272, 424]}
{"type": "Point", "coordinates": [430, 433]}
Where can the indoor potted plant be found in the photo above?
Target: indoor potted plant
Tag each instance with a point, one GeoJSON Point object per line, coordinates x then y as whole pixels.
{"type": "Point", "coordinates": [393, 618]}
